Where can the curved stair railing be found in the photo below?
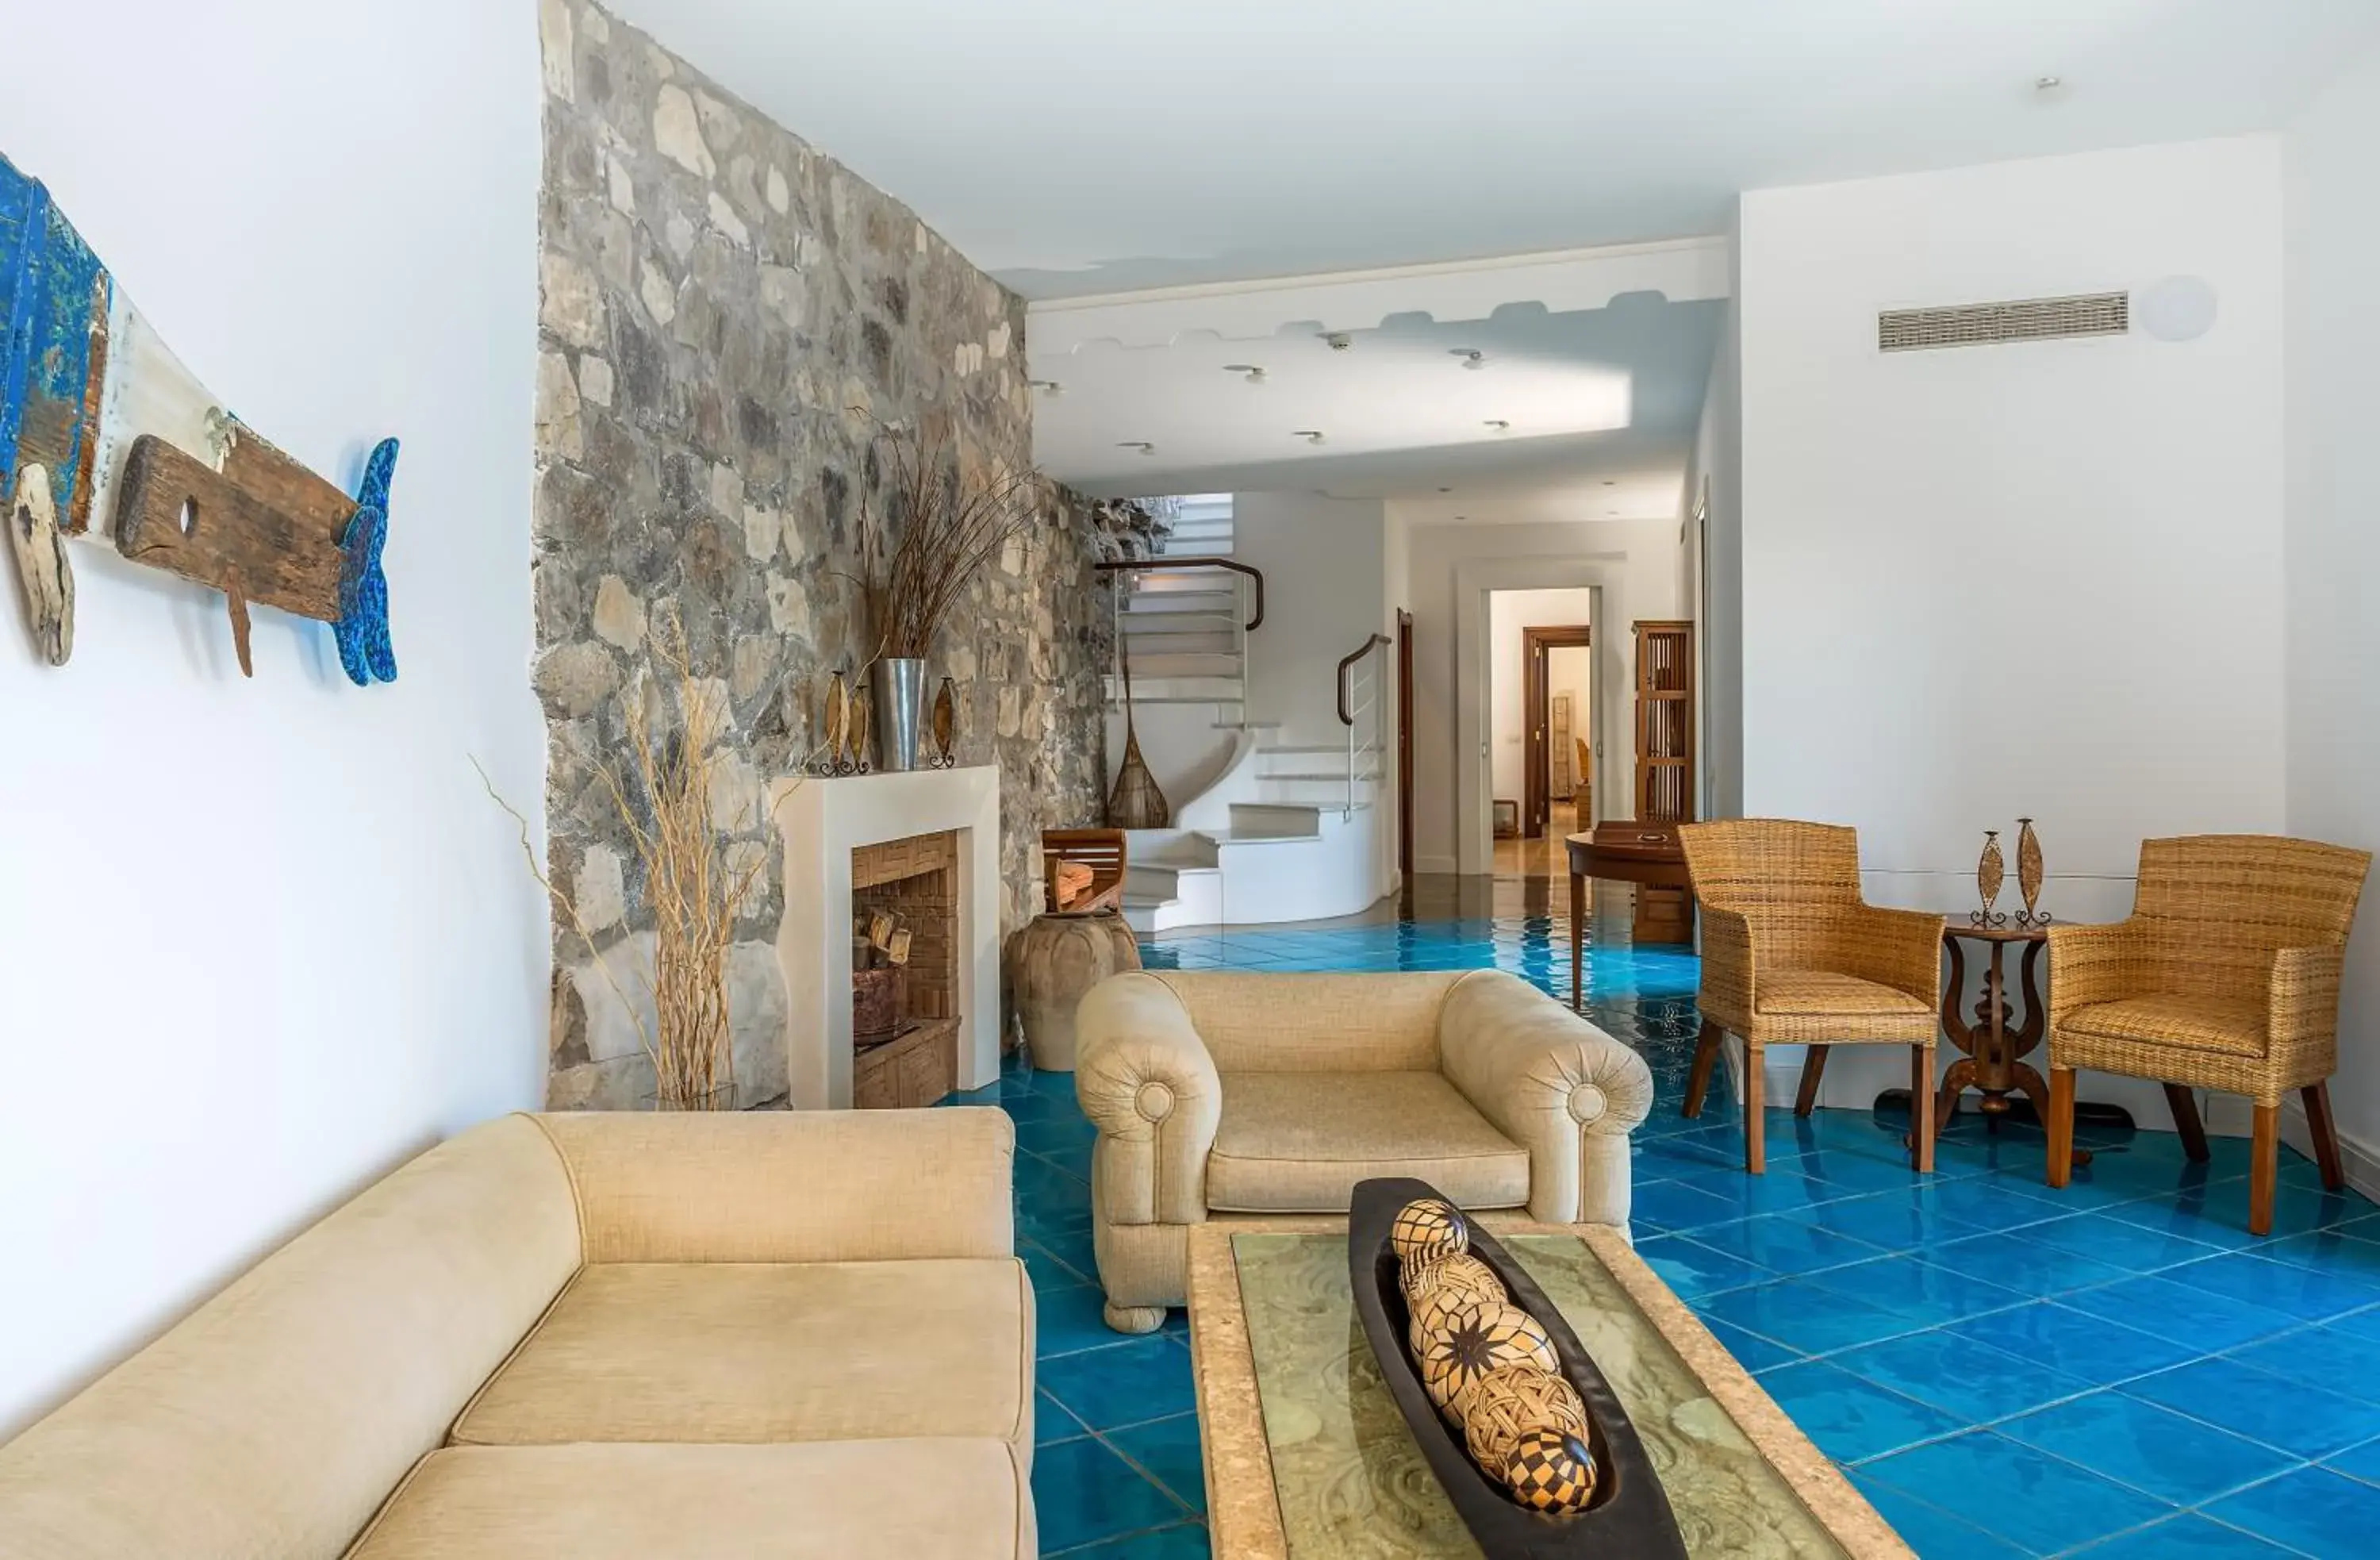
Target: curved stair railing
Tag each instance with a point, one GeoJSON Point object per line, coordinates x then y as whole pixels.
{"type": "Point", "coordinates": [1360, 683]}
{"type": "Point", "coordinates": [1170, 565]}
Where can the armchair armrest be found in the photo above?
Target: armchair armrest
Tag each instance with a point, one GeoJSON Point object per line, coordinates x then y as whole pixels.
{"type": "Point", "coordinates": [789, 1186]}
{"type": "Point", "coordinates": [2303, 1015]}
{"type": "Point", "coordinates": [1726, 968]}
{"type": "Point", "coordinates": [2096, 964]}
{"type": "Point", "coordinates": [1147, 1082]}
{"type": "Point", "coordinates": [1902, 949]}
{"type": "Point", "coordinates": [1553, 1083]}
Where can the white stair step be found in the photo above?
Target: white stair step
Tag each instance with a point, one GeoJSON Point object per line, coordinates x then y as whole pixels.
{"type": "Point", "coordinates": [1159, 603]}
{"type": "Point", "coordinates": [1363, 777]}
{"type": "Point", "coordinates": [1184, 663]}
{"type": "Point", "coordinates": [1292, 820]}
{"type": "Point", "coordinates": [1235, 839]}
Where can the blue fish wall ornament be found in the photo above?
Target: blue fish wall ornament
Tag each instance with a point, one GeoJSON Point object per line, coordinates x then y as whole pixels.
{"type": "Point", "coordinates": [101, 426]}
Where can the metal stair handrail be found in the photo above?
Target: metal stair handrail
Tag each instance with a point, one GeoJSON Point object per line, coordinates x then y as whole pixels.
{"type": "Point", "coordinates": [1167, 566]}
{"type": "Point", "coordinates": [1370, 746]}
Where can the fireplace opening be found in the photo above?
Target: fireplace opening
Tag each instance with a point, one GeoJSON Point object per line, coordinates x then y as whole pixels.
{"type": "Point", "coordinates": [905, 995]}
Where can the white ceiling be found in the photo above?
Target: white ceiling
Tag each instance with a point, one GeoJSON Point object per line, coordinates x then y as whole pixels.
{"type": "Point", "coordinates": [1088, 146]}
{"type": "Point", "coordinates": [1614, 392]}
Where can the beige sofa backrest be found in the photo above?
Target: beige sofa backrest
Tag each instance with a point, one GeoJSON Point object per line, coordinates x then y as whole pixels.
{"type": "Point", "coordinates": [1314, 1023]}
{"type": "Point", "coordinates": [848, 1186]}
{"type": "Point", "coordinates": [275, 1420]}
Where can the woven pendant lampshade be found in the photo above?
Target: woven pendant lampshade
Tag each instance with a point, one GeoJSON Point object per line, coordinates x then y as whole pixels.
{"type": "Point", "coordinates": [1135, 803]}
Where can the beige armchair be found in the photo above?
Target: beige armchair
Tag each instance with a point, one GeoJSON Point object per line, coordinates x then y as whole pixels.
{"type": "Point", "coordinates": [1792, 954]}
{"type": "Point", "coordinates": [1243, 1096]}
{"type": "Point", "coordinates": [2226, 977]}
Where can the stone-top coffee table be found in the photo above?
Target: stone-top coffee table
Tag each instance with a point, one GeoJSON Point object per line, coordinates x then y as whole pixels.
{"type": "Point", "coordinates": [1307, 1458]}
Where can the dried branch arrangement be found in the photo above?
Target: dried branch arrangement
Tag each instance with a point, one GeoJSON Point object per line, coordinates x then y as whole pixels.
{"type": "Point", "coordinates": [945, 519]}
{"type": "Point", "coordinates": [694, 895]}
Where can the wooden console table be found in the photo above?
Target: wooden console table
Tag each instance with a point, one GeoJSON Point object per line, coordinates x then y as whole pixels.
{"type": "Point", "coordinates": [1997, 1041]}
{"type": "Point", "coordinates": [1648, 855]}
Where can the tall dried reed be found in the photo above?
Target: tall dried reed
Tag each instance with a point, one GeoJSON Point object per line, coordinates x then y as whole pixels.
{"type": "Point", "coordinates": [945, 518]}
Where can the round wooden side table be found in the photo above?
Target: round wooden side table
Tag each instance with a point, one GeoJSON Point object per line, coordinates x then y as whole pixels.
{"type": "Point", "coordinates": [1997, 1041]}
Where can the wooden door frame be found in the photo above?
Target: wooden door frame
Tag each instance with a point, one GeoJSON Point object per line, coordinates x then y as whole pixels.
{"type": "Point", "coordinates": [1537, 713]}
{"type": "Point", "coordinates": [1404, 746]}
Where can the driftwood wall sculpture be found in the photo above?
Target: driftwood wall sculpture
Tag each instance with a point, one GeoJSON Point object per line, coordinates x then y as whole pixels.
{"type": "Point", "coordinates": [101, 424]}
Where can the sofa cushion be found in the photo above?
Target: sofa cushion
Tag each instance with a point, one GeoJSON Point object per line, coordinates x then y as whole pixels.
{"type": "Point", "coordinates": [850, 1500]}
{"type": "Point", "coordinates": [1819, 994]}
{"type": "Point", "coordinates": [1298, 1143]}
{"type": "Point", "coordinates": [759, 1352]}
{"type": "Point", "coordinates": [2197, 1023]}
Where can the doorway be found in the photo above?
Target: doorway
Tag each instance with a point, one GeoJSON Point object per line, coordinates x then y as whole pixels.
{"type": "Point", "coordinates": [1558, 674]}
{"type": "Point", "coordinates": [1404, 746]}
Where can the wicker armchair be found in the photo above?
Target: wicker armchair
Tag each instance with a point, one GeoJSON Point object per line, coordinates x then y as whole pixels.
{"type": "Point", "coordinates": [1793, 956]}
{"type": "Point", "coordinates": [2225, 976]}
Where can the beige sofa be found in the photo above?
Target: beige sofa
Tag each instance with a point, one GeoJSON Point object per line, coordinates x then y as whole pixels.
{"type": "Point", "coordinates": [1248, 1095]}
{"type": "Point", "coordinates": [591, 1336]}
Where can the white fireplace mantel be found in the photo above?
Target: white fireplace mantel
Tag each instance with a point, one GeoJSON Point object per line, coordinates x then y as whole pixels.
{"type": "Point", "coordinates": [820, 822]}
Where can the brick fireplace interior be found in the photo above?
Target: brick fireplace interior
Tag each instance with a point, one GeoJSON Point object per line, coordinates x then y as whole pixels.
{"type": "Point", "coordinates": [915, 878]}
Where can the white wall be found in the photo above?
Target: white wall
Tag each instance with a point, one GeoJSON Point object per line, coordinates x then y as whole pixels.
{"type": "Point", "coordinates": [261, 941]}
{"type": "Point", "coordinates": [2331, 634]}
{"type": "Point", "coordinates": [1325, 568]}
{"type": "Point", "coordinates": [1636, 562]}
{"type": "Point", "coordinates": [1717, 470]}
{"type": "Point", "coordinates": [1509, 612]}
{"type": "Point", "coordinates": [2040, 579]}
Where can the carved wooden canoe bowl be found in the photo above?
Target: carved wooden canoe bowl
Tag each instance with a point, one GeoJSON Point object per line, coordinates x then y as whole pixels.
{"type": "Point", "coordinates": [1629, 1514]}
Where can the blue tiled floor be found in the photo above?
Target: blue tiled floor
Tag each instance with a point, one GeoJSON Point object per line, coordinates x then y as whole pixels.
{"type": "Point", "coordinates": [2116, 1370]}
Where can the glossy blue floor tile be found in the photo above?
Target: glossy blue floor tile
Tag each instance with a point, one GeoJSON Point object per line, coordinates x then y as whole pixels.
{"type": "Point", "coordinates": [2312, 1509]}
{"type": "Point", "coordinates": [2011, 1369]}
{"type": "Point", "coordinates": [2150, 1449]}
{"type": "Point", "coordinates": [2186, 1537]}
{"type": "Point", "coordinates": [1972, 1380]}
{"type": "Point", "coordinates": [2306, 1421]}
{"type": "Point", "coordinates": [2041, 1503]}
{"type": "Point", "coordinates": [1129, 1382]}
{"type": "Point", "coordinates": [1851, 1417]}
{"type": "Point", "coordinates": [2089, 1348]}
{"type": "Point", "coordinates": [1084, 1492]}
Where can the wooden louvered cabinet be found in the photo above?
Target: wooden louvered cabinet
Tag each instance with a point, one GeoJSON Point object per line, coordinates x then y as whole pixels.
{"type": "Point", "coordinates": [1665, 723]}
{"type": "Point", "coordinates": [1664, 764]}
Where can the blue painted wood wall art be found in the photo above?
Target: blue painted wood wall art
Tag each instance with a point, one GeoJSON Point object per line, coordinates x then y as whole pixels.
{"type": "Point", "coordinates": [99, 423]}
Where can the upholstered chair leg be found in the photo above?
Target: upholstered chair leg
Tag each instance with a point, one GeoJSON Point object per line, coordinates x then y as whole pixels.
{"type": "Point", "coordinates": [2192, 1131]}
{"type": "Point", "coordinates": [2264, 1167]}
{"type": "Point", "coordinates": [2325, 1135]}
{"type": "Point", "coordinates": [1134, 1318]}
{"type": "Point", "coordinates": [2061, 1125]}
{"type": "Point", "coordinates": [1705, 1058]}
{"type": "Point", "coordinates": [1813, 1067]}
{"type": "Point", "coordinates": [1756, 1115]}
{"type": "Point", "coordinates": [1921, 1106]}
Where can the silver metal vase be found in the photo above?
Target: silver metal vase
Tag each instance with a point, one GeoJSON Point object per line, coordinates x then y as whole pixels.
{"type": "Point", "coordinates": [899, 683]}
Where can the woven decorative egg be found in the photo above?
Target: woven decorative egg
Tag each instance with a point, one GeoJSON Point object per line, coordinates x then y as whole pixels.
{"type": "Point", "coordinates": [1550, 1469]}
{"type": "Point", "coordinates": [1509, 1401]}
{"type": "Point", "coordinates": [1471, 1340]}
{"type": "Point", "coordinates": [1427, 1229]}
{"type": "Point", "coordinates": [1432, 1316]}
{"type": "Point", "coordinates": [1463, 1275]}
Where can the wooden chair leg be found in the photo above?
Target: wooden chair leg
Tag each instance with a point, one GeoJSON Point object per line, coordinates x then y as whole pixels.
{"type": "Point", "coordinates": [1705, 1058]}
{"type": "Point", "coordinates": [2061, 1125]}
{"type": "Point", "coordinates": [2186, 1122]}
{"type": "Point", "coordinates": [1921, 1106]}
{"type": "Point", "coordinates": [2264, 1168]}
{"type": "Point", "coordinates": [1813, 1067]}
{"type": "Point", "coordinates": [2325, 1135]}
{"type": "Point", "coordinates": [1756, 1115]}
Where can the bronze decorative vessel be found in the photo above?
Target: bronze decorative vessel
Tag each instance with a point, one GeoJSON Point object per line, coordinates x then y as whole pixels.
{"type": "Point", "coordinates": [945, 725]}
{"type": "Point", "coordinates": [1990, 872]}
{"type": "Point", "coordinates": [2028, 874]}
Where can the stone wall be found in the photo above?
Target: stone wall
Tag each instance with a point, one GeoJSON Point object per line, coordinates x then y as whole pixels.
{"type": "Point", "coordinates": [724, 312]}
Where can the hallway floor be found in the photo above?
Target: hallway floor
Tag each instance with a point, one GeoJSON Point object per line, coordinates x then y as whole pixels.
{"type": "Point", "coordinates": [2118, 1369]}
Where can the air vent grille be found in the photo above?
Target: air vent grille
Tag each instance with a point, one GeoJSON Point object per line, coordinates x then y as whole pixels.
{"type": "Point", "coordinates": [1979, 324]}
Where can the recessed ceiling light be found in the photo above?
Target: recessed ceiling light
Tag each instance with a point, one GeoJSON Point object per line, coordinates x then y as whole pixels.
{"type": "Point", "coordinates": [1143, 446]}
{"type": "Point", "coordinates": [1446, 490]}
{"type": "Point", "coordinates": [1497, 423]}
{"type": "Point", "coordinates": [1311, 435]}
{"type": "Point", "coordinates": [1610, 482]}
{"type": "Point", "coordinates": [1471, 357]}
{"type": "Point", "coordinates": [1047, 387]}
{"type": "Point", "coordinates": [2048, 83]}
{"type": "Point", "coordinates": [1340, 340]}
{"type": "Point", "coordinates": [1255, 371]}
